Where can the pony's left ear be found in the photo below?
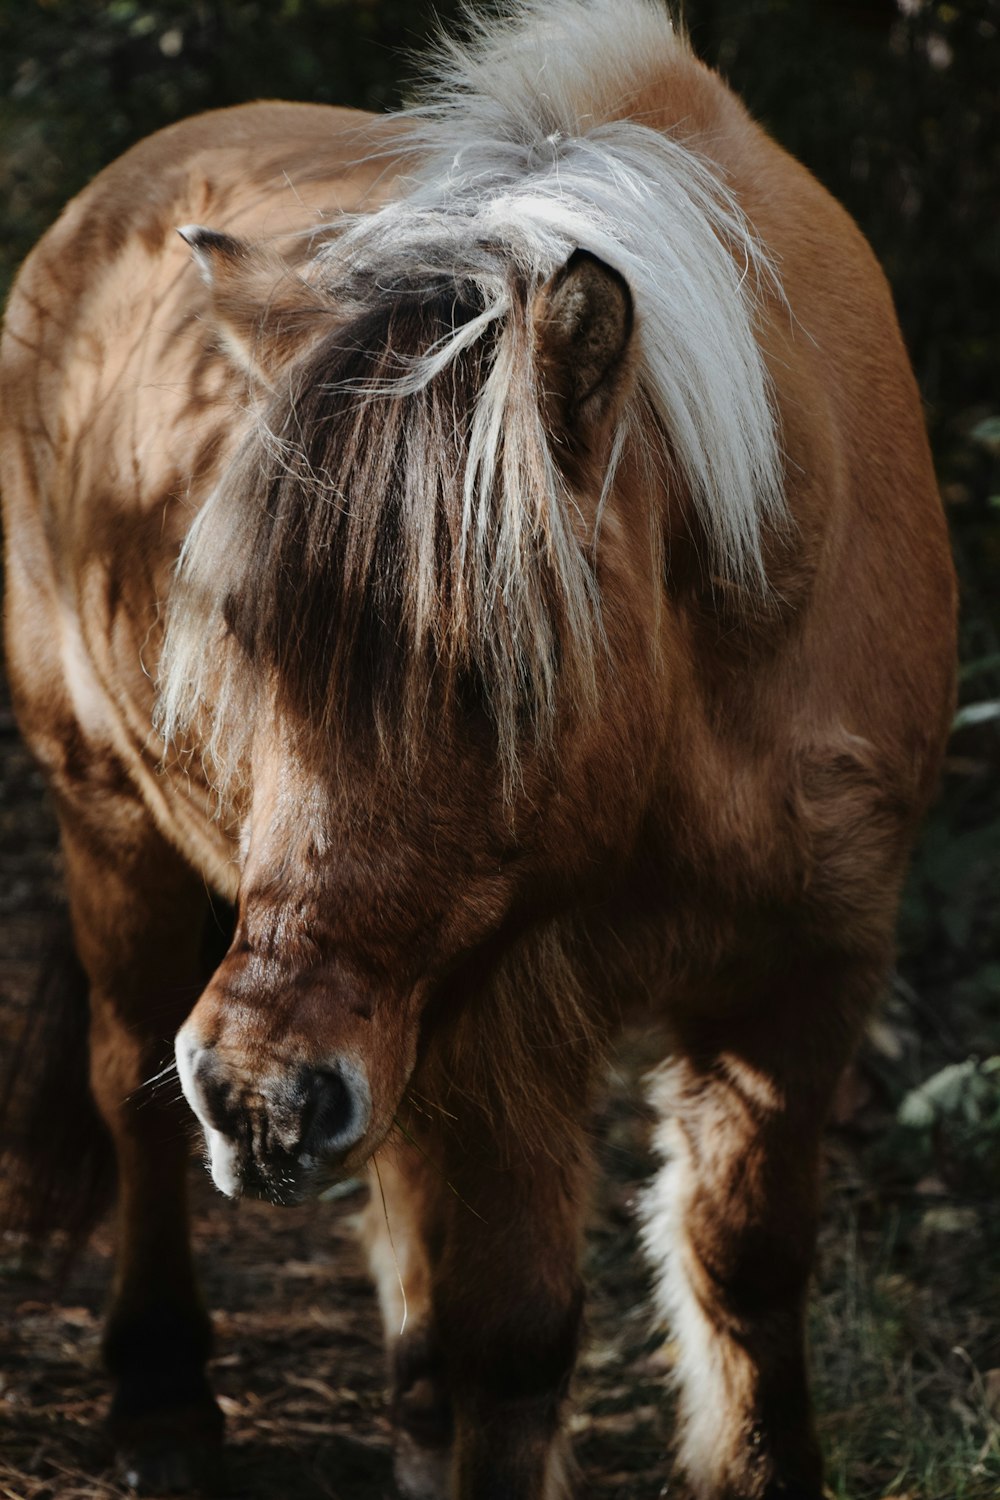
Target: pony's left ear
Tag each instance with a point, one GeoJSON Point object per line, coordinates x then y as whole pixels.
{"type": "Point", "coordinates": [583, 321]}
{"type": "Point", "coordinates": [265, 313]}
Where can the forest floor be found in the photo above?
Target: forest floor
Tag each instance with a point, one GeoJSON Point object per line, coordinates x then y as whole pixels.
{"type": "Point", "coordinates": [905, 1318]}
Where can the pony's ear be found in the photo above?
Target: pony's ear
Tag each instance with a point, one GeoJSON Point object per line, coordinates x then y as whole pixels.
{"type": "Point", "coordinates": [265, 313]}
{"type": "Point", "coordinates": [583, 320]}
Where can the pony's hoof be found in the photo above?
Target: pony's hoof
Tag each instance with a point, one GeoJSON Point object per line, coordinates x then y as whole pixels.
{"type": "Point", "coordinates": [174, 1468]}
{"type": "Point", "coordinates": [171, 1450]}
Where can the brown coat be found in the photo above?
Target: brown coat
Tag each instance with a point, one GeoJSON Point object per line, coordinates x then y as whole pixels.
{"type": "Point", "coordinates": [715, 830]}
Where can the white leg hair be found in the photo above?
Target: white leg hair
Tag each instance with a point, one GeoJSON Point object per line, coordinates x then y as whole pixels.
{"type": "Point", "coordinates": [713, 1376]}
{"type": "Point", "coordinates": [708, 1136]}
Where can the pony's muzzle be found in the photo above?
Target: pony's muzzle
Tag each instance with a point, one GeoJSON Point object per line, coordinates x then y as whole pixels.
{"type": "Point", "coordinates": [283, 1136]}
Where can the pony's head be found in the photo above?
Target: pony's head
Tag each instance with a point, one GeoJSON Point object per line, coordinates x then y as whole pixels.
{"type": "Point", "coordinates": [417, 630]}
{"type": "Point", "coordinates": [431, 677]}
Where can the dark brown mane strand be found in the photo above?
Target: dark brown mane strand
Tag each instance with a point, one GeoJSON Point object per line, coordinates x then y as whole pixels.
{"type": "Point", "coordinates": [350, 587]}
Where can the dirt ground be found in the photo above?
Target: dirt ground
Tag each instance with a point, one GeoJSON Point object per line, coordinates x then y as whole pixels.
{"type": "Point", "coordinates": [299, 1365]}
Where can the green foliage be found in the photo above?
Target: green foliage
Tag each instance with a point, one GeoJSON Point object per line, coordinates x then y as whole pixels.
{"type": "Point", "coordinates": [987, 434]}
{"type": "Point", "coordinates": [954, 1121]}
{"type": "Point", "coordinates": [966, 1095]}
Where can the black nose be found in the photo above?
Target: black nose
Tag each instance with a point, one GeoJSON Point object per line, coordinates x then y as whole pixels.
{"type": "Point", "coordinates": [335, 1111]}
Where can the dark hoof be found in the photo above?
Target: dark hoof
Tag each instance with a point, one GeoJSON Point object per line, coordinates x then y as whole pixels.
{"type": "Point", "coordinates": [172, 1451]}
{"type": "Point", "coordinates": [174, 1469]}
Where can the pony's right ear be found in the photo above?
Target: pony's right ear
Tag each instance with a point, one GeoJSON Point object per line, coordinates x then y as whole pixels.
{"type": "Point", "coordinates": [265, 313]}
{"type": "Point", "coordinates": [583, 322]}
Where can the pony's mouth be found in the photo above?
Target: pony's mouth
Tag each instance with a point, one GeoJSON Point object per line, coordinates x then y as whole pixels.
{"type": "Point", "coordinates": [285, 1183]}
{"type": "Point", "coordinates": [279, 1179]}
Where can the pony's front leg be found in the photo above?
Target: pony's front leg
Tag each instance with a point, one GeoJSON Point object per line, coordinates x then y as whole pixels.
{"type": "Point", "coordinates": [485, 1235]}
{"type": "Point", "coordinates": [138, 918]}
{"type": "Point", "coordinates": [508, 1306]}
{"type": "Point", "coordinates": [731, 1225]}
{"type": "Point", "coordinates": [401, 1229]}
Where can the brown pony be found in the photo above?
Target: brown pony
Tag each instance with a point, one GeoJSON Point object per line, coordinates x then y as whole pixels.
{"type": "Point", "coordinates": [504, 560]}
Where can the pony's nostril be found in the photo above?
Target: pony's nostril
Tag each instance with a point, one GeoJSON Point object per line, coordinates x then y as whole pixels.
{"type": "Point", "coordinates": [335, 1112]}
{"type": "Point", "coordinates": [327, 1107]}
{"type": "Point", "coordinates": [216, 1094]}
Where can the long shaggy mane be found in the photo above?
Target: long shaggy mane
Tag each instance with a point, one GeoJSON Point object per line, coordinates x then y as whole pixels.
{"type": "Point", "coordinates": [397, 526]}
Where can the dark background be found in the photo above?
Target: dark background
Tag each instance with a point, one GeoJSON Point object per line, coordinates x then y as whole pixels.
{"type": "Point", "coordinates": [896, 108]}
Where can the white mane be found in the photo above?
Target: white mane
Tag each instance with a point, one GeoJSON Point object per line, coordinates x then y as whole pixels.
{"type": "Point", "coordinates": [528, 142]}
